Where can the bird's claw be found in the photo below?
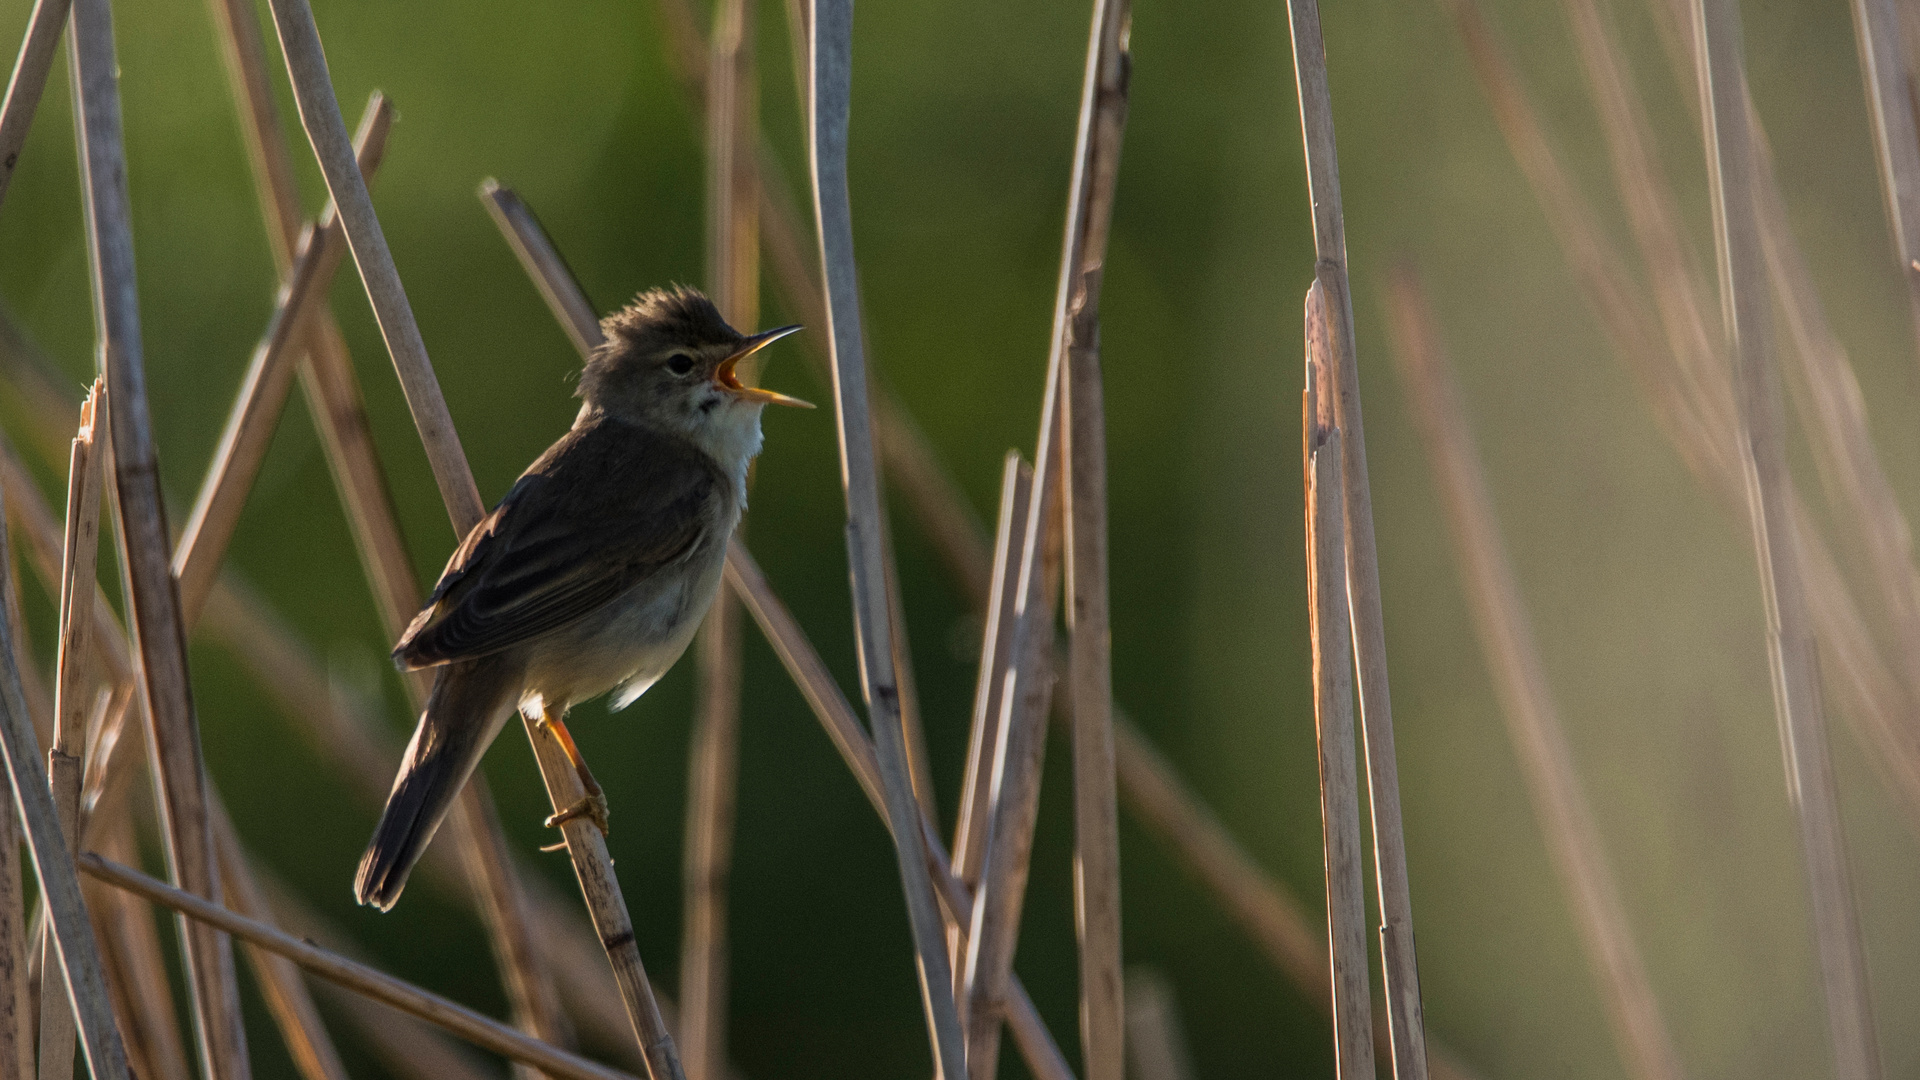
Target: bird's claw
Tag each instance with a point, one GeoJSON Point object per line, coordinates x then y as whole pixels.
{"type": "Point", "coordinates": [592, 807]}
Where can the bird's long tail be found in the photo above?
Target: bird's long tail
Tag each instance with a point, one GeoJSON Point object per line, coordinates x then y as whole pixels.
{"type": "Point", "coordinates": [470, 703]}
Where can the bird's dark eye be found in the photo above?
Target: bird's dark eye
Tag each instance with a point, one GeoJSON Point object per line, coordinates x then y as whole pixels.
{"type": "Point", "coordinates": [680, 364]}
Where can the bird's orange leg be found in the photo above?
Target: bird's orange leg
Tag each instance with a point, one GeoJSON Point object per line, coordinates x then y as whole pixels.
{"type": "Point", "coordinates": [594, 806]}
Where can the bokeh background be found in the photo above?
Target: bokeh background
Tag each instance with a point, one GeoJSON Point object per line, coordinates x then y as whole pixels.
{"type": "Point", "coordinates": [1643, 591]}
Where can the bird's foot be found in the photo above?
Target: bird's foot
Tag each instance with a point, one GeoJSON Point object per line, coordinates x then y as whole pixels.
{"type": "Point", "coordinates": [593, 807]}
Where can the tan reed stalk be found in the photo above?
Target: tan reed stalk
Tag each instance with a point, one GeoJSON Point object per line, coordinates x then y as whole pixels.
{"type": "Point", "coordinates": [1743, 290]}
{"type": "Point", "coordinates": [1692, 402]}
{"type": "Point", "coordinates": [1889, 76]}
{"type": "Point", "coordinates": [370, 982]}
{"type": "Point", "coordinates": [73, 702]}
{"type": "Point", "coordinates": [1333, 705]}
{"type": "Point", "coordinates": [1156, 1047]}
{"type": "Point", "coordinates": [527, 237]}
{"type": "Point", "coordinates": [136, 969]}
{"type": "Point", "coordinates": [333, 397]}
{"type": "Point", "coordinates": [997, 625]}
{"type": "Point", "coordinates": [733, 281]}
{"type": "Point", "coordinates": [837, 717]}
{"type": "Point", "coordinates": [54, 868]}
{"type": "Point", "coordinates": [1400, 968]}
{"type": "Point", "coordinates": [16, 1002]}
{"type": "Point", "coordinates": [828, 98]}
{"type": "Point", "coordinates": [179, 770]}
{"type": "Point", "coordinates": [320, 113]}
{"type": "Point", "coordinates": [1096, 813]}
{"type": "Point", "coordinates": [269, 379]}
{"type": "Point", "coordinates": [1533, 720]}
{"type": "Point", "coordinates": [28, 81]}
{"type": "Point", "coordinates": [280, 983]}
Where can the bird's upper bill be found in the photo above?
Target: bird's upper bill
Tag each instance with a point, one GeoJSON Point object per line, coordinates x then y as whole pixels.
{"type": "Point", "coordinates": [726, 379]}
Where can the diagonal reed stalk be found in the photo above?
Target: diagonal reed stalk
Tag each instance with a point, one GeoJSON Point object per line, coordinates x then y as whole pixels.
{"type": "Point", "coordinates": [320, 113]}
{"type": "Point", "coordinates": [175, 738]}
{"type": "Point", "coordinates": [1744, 304]}
{"type": "Point", "coordinates": [1333, 705]}
{"type": "Point", "coordinates": [1096, 813]}
{"type": "Point", "coordinates": [1400, 968]}
{"type": "Point", "coordinates": [28, 82]}
{"type": "Point", "coordinates": [16, 1002]}
{"type": "Point", "coordinates": [333, 397]}
{"type": "Point", "coordinates": [1156, 1045]}
{"type": "Point", "coordinates": [829, 95]}
{"type": "Point", "coordinates": [1888, 75]}
{"type": "Point", "coordinates": [73, 700]}
{"type": "Point", "coordinates": [1533, 720]}
{"type": "Point", "coordinates": [733, 282]}
{"type": "Point", "coordinates": [480, 1030]}
{"type": "Point", "coordinates": [72, 933]}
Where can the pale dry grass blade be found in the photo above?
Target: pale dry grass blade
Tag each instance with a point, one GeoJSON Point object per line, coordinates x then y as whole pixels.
{"type": "Point", "coordinates": [828, 98]}
{"type": "Point", "coordinates": [1332, 643]}
{"type": "Point", "coordinates": [1156, 1045]}
{"type": "Point", "coordinates": [1096, 813]}
{"type": "Point", "coordinates": [179, 772]}
{"type": "Point", "coordinates": [28, 82]}
{"type": "Point", "coordinates": [480, 1030]}
{"type": "Point", "coordinates": [16, 1002]}
{"type": "Point", "coordinates": [1744, 304]}
{"type": "Point", "coordinates": [1533, 721]}
{"type": "Point", "coordinates": [73, 701]}
{"type": "Point", "coordinates": [269, 379]}
{"type": "Point", "coordinates": [1887, 71]}
{"type": "Point", "coordinates": [71, 931]}
{"type": "Point", "coordinates": [528, 239]}
{"type": "Point", "coordinates": [1400, 966]}
{"type": "Point", "coordinates": [856, 748]}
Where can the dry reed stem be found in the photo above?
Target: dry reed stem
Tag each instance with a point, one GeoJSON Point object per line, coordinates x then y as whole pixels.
{"type": "Point", "coordinates": [28, 81]}
{"type": "Point", "coordinates": [370, 982]}
{"type": "Point", "coordinates": [79, 578]}
{"type": "Point", "coordinates": [525, 235]}
{"type": "Point", "coordinates": [16, 1002]}
{"type": "Point", "coordinates": [1332, 644]}
{"type": "Point", "coordinates": [1693, 405]}
{"type": "Point", "coordinates": [178, 766]}
{"type": "Point", "coordinates": [1890, 106]}
{"type": "Point", "coordinates": [1156, 1046]}
{"type": "Point", "coordinates": [856, 748]}
{"type": "Point", "coordinates": [333, 397]}
{"type": "Point", "coordinates": [829, 95]}
{"type": "Point", "coordinates": [983, 740]}
{"type": "Point", "coordinates": [327, 131]}
{"type": "Point", "coordinates": [1096, 813]}
{"type": "Point", "coordinates": [269, 379]}
{"type": "Point", "coordinates": [1533, 721]}
{"type": "Point", "coordinates": [54, 868]}
{"type": "Point", "coordinates": [1400, 966]}
{"type": "Point", "coordinates": [733, 282]}
{"type": "Point", "coordinates": [280, 983]}
{"type": "Point", "coordinates": [137, 977]}
{"type": "Point", "coordinates": [1744, 304]}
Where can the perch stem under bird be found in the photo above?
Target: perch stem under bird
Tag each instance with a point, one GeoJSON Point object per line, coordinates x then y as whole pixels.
{"type": "Point", "coordinates": [592, 573]}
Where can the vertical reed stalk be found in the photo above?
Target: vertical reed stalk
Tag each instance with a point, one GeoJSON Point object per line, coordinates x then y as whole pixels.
{"type": "Point", "coordinates": [1156, 1047]}
{"type": "Point", "coordinates": [137, 978]}
{"type": "Point", "coordinates": [53, 866]}
{"type": "Point", "coordinates": [73, 701]}
{"type": "Point", "coordinates": [1333, 706]}
{"type": "Point", "coordinates": [1743, 290]}
{"type": "Point", "coordinates": [179, 769]}
{"type": "Point", "coordinates": [28, 81]}
{"type": "Point", "coordinates": [829, 93]}
{"type": "Point", "coordinates": [16, 1002]}
{"type": "Point", "coordinates": [1533, 721]}
{"type": "Point", "coordinates": [1890, 106]}
{"type": "Point", "coordinates": [1400, 966]}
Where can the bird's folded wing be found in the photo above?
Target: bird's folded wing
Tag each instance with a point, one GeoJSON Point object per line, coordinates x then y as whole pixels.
{"type": "Point", "coordinates": [605, 508]}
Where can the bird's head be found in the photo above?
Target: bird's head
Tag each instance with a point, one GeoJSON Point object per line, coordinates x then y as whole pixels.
{"type": "Point", "coordinates": [671, 362]}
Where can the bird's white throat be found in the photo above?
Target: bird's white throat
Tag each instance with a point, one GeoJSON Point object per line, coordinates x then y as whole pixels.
{"type": "Point", "coordinates": [731, 435]}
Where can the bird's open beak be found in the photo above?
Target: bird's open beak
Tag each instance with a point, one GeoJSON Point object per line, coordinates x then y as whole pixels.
{"type": "Point", "coordinates": [724, 375]}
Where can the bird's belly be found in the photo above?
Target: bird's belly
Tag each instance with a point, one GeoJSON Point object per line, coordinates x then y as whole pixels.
{"type": "Point", "coordinates": [632, 640]}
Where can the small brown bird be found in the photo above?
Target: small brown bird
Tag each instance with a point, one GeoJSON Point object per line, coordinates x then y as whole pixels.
{"type": "Point", "coordinates": [592, 573]}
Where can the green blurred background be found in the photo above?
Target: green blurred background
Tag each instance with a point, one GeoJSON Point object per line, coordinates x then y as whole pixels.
{"type": "Point", "coordinates": [1642, 591]}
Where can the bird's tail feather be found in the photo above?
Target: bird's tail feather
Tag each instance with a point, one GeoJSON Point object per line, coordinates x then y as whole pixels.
{"type": "Point", "coordinates": [470, 703]}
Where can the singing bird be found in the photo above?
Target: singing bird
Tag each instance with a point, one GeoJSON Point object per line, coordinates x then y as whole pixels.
{"type": "Point", "coordinates": [592, 573]}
